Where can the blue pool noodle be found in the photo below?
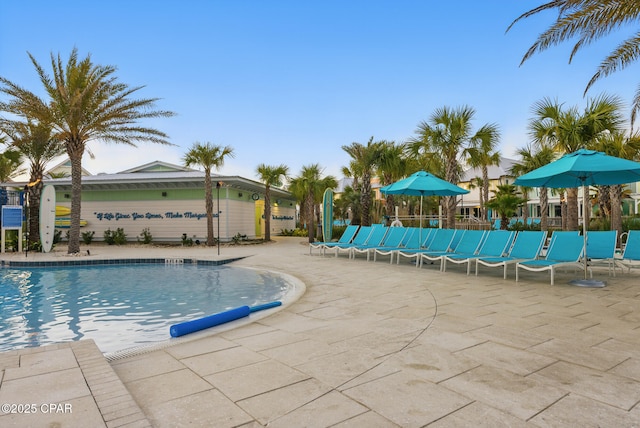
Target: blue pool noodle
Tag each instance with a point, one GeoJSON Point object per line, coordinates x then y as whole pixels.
{"type": "Point", "coordinates": [265, 306]}
{"type": "Point", "coordinates": [198, 324]}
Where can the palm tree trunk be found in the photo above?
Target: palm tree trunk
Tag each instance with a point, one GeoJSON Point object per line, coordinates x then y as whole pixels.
{"type": "Point", "coordinates": [616, 209]}
{"type": "Point", "coordinates": [604, 201]}
{"type": "Point", "coordinates": [310, 221]}
{"type": "Point", "coordinates": [267, 213]}
{"type": "Point", "coordinates": [208, 203]}
{"type": "Point", "coordinates": [586, 207]}
{"type": "Point", "coordinates": [365, 201]}
{"type": "Point", "coordinates": [572, 208]}
{"type": "Point", "coordinates": [563, 210]}
{"type": "Point", "coordinates": [525, 208]}
{"type": "Point", "coordinates": [544, 209]}
{"type": "Point", "coordinates": [484, 195]}
{"type": "Point", "coordinates": [75, 149]}
{"type": "Point", "coordinates": [451, 203]}
{"type": "Point", "coordinates": [34, 209]}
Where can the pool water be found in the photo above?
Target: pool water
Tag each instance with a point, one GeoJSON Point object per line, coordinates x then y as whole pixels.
{"type": "Point", "coordinates": [121, 306]}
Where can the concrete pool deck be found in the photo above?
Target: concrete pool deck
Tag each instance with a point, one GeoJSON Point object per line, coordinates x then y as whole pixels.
{"type": "Point", "coordinates": [368, 344]}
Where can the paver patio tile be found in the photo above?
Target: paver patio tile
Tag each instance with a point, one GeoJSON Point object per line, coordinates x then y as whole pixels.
{"type": "Point", "coordinates": [203, 409]}
{"type": "Point", "coordinates": [618, 391]}
{"type": "Point", "coordinates": [407, 401]}
{"type": "Point", "coordinates": [519, 396]}
{"type": "Point", "coordinates": [253, 379]}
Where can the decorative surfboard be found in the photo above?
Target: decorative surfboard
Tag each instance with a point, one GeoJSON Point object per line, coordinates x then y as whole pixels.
{"type": "Point", "coordinates": [327, 215]}
{"type": "Point", "coordinates": [47, 217]}
{"type": "Point", "coordinates": [65, 222]}
{"type": "Point", "coordinates": [62, 211]}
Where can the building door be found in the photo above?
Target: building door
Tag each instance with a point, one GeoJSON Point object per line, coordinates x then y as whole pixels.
{"type": "Point", "coordinates": [259, 218]}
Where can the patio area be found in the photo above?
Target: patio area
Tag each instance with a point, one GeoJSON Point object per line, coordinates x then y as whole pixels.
{"type": "Point", "coordinates": [368, 344]}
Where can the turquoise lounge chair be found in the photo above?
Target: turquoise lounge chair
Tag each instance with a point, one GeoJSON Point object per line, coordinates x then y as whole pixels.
{"type": "Point", "coordinates": [495, 244]}
{"type": "Point", "coordinates": [419, 239]}
{"type": "Point", "coordinates": [391, 240]}
{"type": "Point", "coordinates": [526, 246]}
{"type": "Point", "coordinates": [360, 238]}
{"type": "Point", "coordinates": [601, 248]}
{"type": "Point", "coordinates": [469, 243]}
{"type": "Point", "coordinates": [438, 240]}
{"type": "Point", "coordinates": [631, 253]}
{"type": "Point", "coordinates": [409, 240]}
{"type": "Point", "coordinates": [375, 238]}
{"type": "Point", "coordinates": [565, 250]}
{"type": "Point", "coordinates": [347, 236]}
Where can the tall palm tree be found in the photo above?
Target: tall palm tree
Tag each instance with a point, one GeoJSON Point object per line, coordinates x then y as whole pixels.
{"type": "Point", "coordinates": [208, 156]}
{"type": "Point", "coordinates": [622, 145]}
{"type": "Point", "coordinates": [567, 130]}
{"type": "Point", "coordinates": [35, 142]}
{"type": "Point", "coordinates": [392, 166]}
{"type": "Point", "coordinates": [270, 176]}
{"type": "Point", "coordinates": [365, 159]}
{"type": "Point", "coordinates": [447, 134]}
{"type": "Point", "coordinates": [85, 103]}
{"type": "Point", "coordinates": [308, 188]}
{"type": "Point", "coordinates": [482, 154]}
{"type": "Point", "coordinates": [584, 22]}
{"type": "Point", "coordinates": [531, 159]}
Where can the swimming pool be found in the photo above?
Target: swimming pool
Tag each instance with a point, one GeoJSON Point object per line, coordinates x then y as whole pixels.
{"type": "Point", "coordinates": [121, 306]}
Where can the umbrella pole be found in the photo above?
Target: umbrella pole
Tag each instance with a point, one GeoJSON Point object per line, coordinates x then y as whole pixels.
{"type": "Point", "coordinates": [586, 282]}
{"type": "Point", "coordinates": [420, 220]}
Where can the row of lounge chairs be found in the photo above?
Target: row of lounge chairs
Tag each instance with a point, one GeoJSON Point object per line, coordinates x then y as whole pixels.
{"type": "Point", "coordinates": [496, 248]}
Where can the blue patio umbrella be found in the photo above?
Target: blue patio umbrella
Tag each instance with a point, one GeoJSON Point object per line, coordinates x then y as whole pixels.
{"type": "Point", "coordinates": [583, 168]}
{"type": "Point", "coordinates": [422, 184]}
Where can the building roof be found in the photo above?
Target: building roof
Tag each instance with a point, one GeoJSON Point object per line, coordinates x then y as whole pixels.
{"type": "Point", "coordinates": [158, 175]}
{"type": "Point", "coordinates": [157, 166]}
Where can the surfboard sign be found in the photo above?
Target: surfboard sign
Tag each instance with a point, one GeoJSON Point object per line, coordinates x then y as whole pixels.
{"type": "Point", "coordinates": [62, 211]}
{"type": "Point", "coordinates": [327, 215]}
{"type": "Point", "coordinates": [47, 217]}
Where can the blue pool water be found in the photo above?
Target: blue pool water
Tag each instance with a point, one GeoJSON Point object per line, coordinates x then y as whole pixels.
{"type": "Point", "coordinates": [121, 306]}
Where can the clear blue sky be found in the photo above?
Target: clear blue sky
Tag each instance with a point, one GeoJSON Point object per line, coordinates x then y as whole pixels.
{"type": "Point", "coordinates": [293, 81]}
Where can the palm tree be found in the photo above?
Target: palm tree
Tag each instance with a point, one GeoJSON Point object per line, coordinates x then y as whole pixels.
{"type": "Point", "coordinates": [622, 145]}
{"type": "Point", "coordinates": [585, 21]}
{"type": "Point", "coordinates": [392, 166]}
{"type": "Point", "coordinates": [567, 130]}
{"type": "Point", "coordinates": [481, 154]}
{"type": "Point", "coordinates": [446, 135]}
{"type": "Point", "coordinates": [505, 202]}
{"type": "Point", "coordinates": [531, 159]}
{"type": "Point", "coordinates": [349, 199]}
{"type": "Point", "coordinates": [308, 189]}
{"type": "Point", "coordinates": [86, 103]}
{"type": "Point", "coordinates": [365, 159]}
{"type": "Point", "coordinates": [208, 156]}
{"type": "Point", "coordinates": [34, 141]}
{"type": "Point", "coordinates": [270, 176]}
{"type": "Point", "coordinates": [10, 161]}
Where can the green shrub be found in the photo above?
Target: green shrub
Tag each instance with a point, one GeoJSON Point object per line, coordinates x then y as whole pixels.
{"type": "Point", "coordinates": [87, 237]}
{"type": "Point", "coordinates": [145, 236]}
{"type": "Point", "coordinates": [118, 237]}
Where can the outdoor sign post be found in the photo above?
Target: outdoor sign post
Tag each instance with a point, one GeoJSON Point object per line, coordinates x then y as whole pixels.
{"type": "Point", "coordinates": [11, 220]}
